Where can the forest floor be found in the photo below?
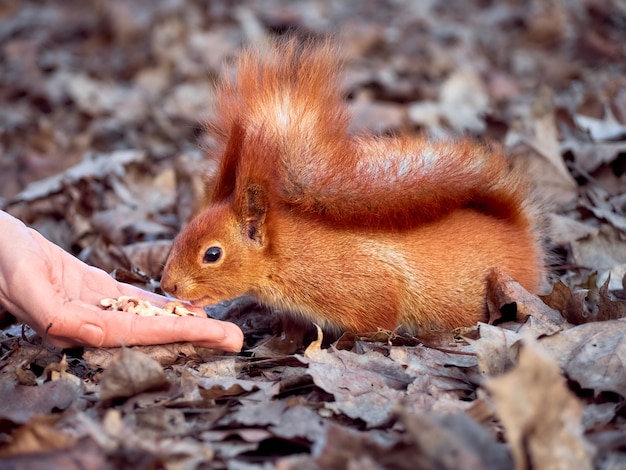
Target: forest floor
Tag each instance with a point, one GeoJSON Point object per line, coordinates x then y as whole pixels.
{"type": "Point", "coordinates": [101, 111]}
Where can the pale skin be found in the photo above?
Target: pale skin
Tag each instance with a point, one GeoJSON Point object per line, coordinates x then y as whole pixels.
{"type": "Point", "coordinates": [58, 296]}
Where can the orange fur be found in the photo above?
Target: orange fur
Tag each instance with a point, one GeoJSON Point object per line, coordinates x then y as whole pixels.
{"type": "Point", "coordinates": [356, 233]}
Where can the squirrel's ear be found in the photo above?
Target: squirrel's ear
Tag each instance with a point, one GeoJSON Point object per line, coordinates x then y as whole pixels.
{"type": "Point", "coordinates": [224, 185]}
{"type": "Point", "coordinates": [254, 207]}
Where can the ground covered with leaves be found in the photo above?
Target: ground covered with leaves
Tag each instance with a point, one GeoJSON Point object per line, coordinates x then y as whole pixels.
{"type": "Point", "coordinates": [100, 137]}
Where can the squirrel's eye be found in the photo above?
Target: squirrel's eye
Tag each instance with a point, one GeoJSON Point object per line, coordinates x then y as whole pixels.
{"type": "Point", "coordinates": [212, 255]}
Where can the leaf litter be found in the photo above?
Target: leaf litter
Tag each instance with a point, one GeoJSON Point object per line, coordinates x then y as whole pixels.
{"type": "Point", "coordinates": [100, 140]}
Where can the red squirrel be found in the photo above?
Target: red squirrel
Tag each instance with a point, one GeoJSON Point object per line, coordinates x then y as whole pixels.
{"type": "Point", "coordinates": [355, 233]}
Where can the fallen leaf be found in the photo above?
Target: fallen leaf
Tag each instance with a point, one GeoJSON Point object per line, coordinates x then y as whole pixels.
{"type": "Point", "coordinates": [163, 354]}
{"type": "Point", "coordinates": [536, 131]}
{"type": "Point", "coordinates": [213, 388]}
{"type": "Point", "coordinates": [301, 422]}
{"type": "Point", "coordinates": [504, 292]}
{"type": "Point", "coordinates": [454, 441]}
{"type": "Point", "coordinates": [608, 307]}
{"type": "Point", "coordinates": [59, 371]}
{"type": "Point", "coordinates": [601, 129]}
{"type": "Point", "coordinates": [344, 448]}
{"type": "Point", "coordinates": [592, 354]}
{"type": "Point", "coordinates": [365, 386]}
{"type": "Point", "coordinates": [37, 436]}
{"type": "Point", "coordinates": [564, 230]}
{"type": "Point", "coordinates": [20, 403]}
{"type": "Point", "coordinates": [601, 252]}
{"type": "Point", "coordinates": [129, 374]}
{"type": "Point", "coordinates": [541, 417]}
{"type": "Point", "coordinates": [83, 455]}
{"type": "Point", "coordinates": [440, 378]}
{"type": "Point", "coordinates": [93, 166]}
{"type": "Point", "coordinates": [572, 305]}
{"type": "Point", "coordinates": [464, 99]}
{"type": "Point", "coordinates": [591, 155]}
{"type": "Point", "coordinates": [598, 415]}
{"type": "Point", "coordinates": [496, 349]}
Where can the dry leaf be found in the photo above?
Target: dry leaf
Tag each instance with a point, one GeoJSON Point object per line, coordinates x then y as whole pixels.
{"type": "Point", "coordinates": [496, 349]}
{"type": "Point", "coordinates": [564, 230]}
{"type": "Point", "coordinates": [592, 354]}
{"type": "Point", "coordinates": [93, 166]}
{"type": "Point", "coordinates": [213, 388]}
{"type": "Point", "coordinates": [601, 129]}
{"type": "Point", "coordinates": [130, 374]}
{"type": "Point", "coordinates": [37, 436]}
{"type": "Point", "coordinates": [591, 155]}
{"type": "Point", "coordinates": [464, 99]}
{"type": "Point", "coordinates": [541, 417]}
{"type": "Point", "coordinates": [536, 130]}
{"type": "Point", "coordinates": [364, 386]}
{"type": "Point", "coordinates": [601, 252]}
{"type": "Point", "coordinates": [20, 403]}
{"type": "Point", "coordinates": [572, 305]}
{"type": "Point", "coordinates": [504, 292]}
{"type": "Point", "coordinates": [454, 441]}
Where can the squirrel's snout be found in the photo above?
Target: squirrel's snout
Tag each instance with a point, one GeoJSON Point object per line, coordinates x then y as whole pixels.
{"type": "Point", "coordinates": [167, 285]}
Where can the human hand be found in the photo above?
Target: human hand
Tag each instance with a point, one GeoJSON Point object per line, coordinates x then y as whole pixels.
{"type": "Point", "coordinates": [59, 297]}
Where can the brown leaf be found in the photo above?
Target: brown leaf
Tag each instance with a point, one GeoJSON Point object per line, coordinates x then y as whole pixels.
{"type": "Point", "coordinates": [258, 414]}
{"type": "Point", "coordinates": [592, 354]}
{"type": "Point", "coordinates": [19, 402]}
{"type": "Point", "coordinates": [441, 379]}
{"type": "Point", "coordinates": [347, 449]}
{"type": "Point", "coordinates": [38, 435]}
{"type": "Point", "coordinates": [600, 204]}
{"type": "Point", "coordinates": [365, 386]}
{"type": "Point", "coordinates": [591, 155]}
{"type": "Point", "coordinates": [301, 422]}
{"type": "Point", "coordinates": [454, 441]}
{"type": "Point", "coordinates": [504, 293]}
{"type": "Point", "coordinates": [92, 166]}
{"type": "Point", "coordinates": [564, 230]}
{"type": "Point", "coordinates": [149, 257]}
{"type": "Point", "coordinates": [601, 252]}
{"type": "Point", "coordinates": [164, 354]}
{"type": "Point", "coordinates": [541, 417]}
{"type": "Point", "coordinates": [601, 129]}
{"type": "Point", "coordinates": [598, 415]}
{"type": "Point", "coordinates": [464, 99]}
{"type": "Point", "coordinates": [536, 140]}
{"type": "Point", "coordinates": [572, 305]}
{"type": "Point", "coordinates": [124, 225]}
{"type": "Point", "coordinates": [609, 308]}
{"type": "Point", "coordinates": [496, 349]}
{"type": "Point", "coordinates": [59, 371]}
{"type": "Point", "coordinates": [129, 374]}
{"type": "Point", "coordinates": [83, 455]}
{"type": "Point", "coordinates": [213, 388]}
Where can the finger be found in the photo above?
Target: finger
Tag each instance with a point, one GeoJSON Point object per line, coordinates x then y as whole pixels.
{"type": "Point", "coordinates": [111, 329]}
{"type": "Point", "coordinates": [162, 330]}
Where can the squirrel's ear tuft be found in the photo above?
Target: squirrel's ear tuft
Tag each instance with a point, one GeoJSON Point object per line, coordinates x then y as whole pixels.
{"type": "Point", "coordinates": [224, 182]}
{"type": "Point", "coordinates": [252, 209]}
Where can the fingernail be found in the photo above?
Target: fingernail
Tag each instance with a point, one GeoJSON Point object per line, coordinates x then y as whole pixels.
{"type": "Point", "coordinates": [91, 335]}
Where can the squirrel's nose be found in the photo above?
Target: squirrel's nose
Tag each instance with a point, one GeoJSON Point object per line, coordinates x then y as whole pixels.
{"type": "Point", "coordinates": [167, 285]}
